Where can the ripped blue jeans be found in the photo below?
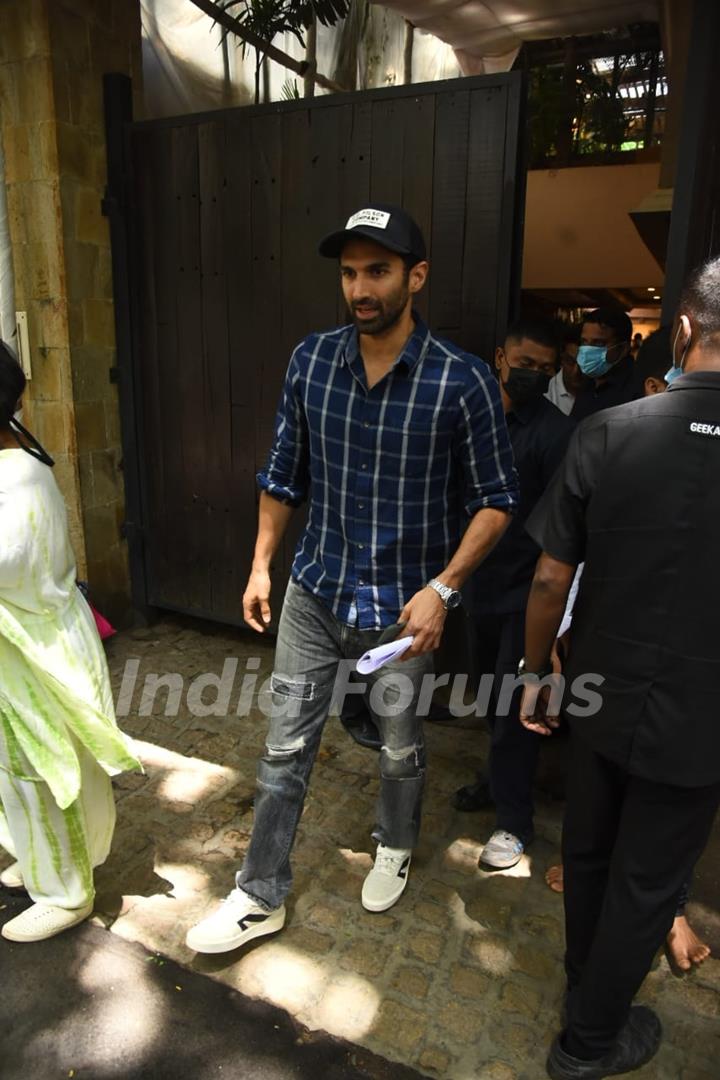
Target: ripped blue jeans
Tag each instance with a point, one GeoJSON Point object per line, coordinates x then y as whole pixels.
{"type": "Point", "coordinates": [313, 658]}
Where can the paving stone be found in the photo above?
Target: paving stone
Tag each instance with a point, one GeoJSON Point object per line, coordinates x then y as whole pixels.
{"type": "Point", "coordinates": [431, 913]}
{"type": "Point", "coordinates": [411, 981]}
{"type": "Point", "coordinates": [324, 915]}
{"type": "Point", "coordinates": [306, 940]}
{"type": "Point", "coordinates": [497, 1070]}
{"type": "Point", "coordinates": [399, 1026]}
{"type": "Point", "coordinates": [439, 891]}
{"type": "Point", "coordinates": [434, 1060]}
{"type": "Point", "coordinates": [489, 911]}
{"type": "Point", "coordinates": [364, 957]}
{"type": "Point", "coordinates": [547, 927]}
{"type": "Point", "coordinates": [547, 967]}
{"type": "Point", "coordinates": [463, 1021]}
{"type": "Point", "coordinates": [426, 945]}
{"type": "Point", "coordinates": [492, 953]}
{"type": "Point", "coordinates": [520, 999]}
{"type": "Point", "coordinates": [469, 982]}
{"type": "Point", "coordinates": [700, 1000]}
{"type": "Point", "coordinates": [462, 979]}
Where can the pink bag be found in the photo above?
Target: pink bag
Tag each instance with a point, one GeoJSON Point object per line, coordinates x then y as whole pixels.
{"type": "Point", "coordinates": [105, 630]}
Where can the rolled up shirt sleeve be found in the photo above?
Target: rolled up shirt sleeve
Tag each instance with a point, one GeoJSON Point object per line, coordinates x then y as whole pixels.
{"type": "Point", "coordinates": [558, 522]}
{"type": "Point", "coordinates": [286, 476]}
{"type": "Point", "coordinates": [483, 448]}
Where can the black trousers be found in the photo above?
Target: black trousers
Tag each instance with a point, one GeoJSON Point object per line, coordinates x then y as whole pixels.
{"type": "Point", "coordinates": [514, 751]}
{"type": "Point", "coordinates": [629, 846]}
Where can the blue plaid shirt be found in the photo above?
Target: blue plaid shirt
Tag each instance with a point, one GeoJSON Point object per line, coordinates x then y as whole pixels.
{"type": "Point", "coordinates": [392, 472]}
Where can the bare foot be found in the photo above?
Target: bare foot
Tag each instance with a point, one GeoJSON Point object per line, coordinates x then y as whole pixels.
{"type": "Point", "coordinates": [683, 947]}
{"type": "Point", "coordinates": [554, 878]}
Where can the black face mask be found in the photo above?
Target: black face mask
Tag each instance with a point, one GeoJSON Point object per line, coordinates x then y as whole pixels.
{"type": "Point", "coordinates": [524, 385]}
{"type": "Point", "coordinates": [29, 443]}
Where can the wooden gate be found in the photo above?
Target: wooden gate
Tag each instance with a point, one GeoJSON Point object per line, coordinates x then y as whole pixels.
{"type": "Point", "coordinates": [215, 220]}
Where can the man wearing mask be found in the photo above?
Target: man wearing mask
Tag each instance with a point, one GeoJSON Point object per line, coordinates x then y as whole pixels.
{"type": "Point", "coordinates": [539, 434]}
{"type": "Point", "coordinates": [644, 785]}
{"type": "Point", "coordinates": [604, 357]}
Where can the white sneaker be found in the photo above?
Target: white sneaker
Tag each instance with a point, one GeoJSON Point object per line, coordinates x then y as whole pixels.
{"type": "Point", "coordinates": [386, 882]}
{"type": "Point", "coordinates": [11, 877]}
{"type": "Point", "coordinates": [502, 851]}
{"type": "Point", "coordinates": [238, 920]}
{"type": "Point", "coordinates": [42, 921]}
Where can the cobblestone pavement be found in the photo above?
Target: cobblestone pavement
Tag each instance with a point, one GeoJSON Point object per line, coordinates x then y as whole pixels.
{"type": "Point", "coordinates": [462, 979]}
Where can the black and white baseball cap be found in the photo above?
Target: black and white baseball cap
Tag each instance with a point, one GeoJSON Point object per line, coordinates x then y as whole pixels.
{"type": "Point", "coordinates": [387, 225]}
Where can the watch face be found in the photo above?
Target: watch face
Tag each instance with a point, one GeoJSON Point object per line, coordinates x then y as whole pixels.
{"type": "Point", "coordinates": [453, 599]}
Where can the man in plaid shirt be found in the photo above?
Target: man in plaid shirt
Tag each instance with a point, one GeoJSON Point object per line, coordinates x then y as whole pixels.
{"type": "Point", "coordinates": [399, 442]}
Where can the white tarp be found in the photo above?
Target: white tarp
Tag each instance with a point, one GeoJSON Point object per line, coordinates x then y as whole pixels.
{"type": "Point", "coordinates": [186, 68]}
{"type": "Point", "coordinates": [487, 34]}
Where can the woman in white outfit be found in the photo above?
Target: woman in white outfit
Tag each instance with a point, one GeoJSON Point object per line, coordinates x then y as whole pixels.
{"type": "Point", "coordinates": [59, 741]}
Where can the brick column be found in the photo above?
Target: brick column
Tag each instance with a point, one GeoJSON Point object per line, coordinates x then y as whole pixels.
{"type": "Point", "coordinates": [53, 54]}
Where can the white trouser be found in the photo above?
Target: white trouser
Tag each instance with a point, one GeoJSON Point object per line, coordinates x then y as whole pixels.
{"type": "Point", "coordinates": [56, 849]}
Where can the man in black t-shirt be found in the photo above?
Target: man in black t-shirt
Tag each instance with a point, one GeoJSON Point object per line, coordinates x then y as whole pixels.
{"type": "Point", "coordinates": [605, 359]}
{"type": "Point", "coordinates": [645, 780]}
{"type": "Point", "coordinates": [539, 433]}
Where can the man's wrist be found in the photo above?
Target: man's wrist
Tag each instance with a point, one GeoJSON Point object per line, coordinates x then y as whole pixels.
{"type": "Point", "coordinates": [540, 671]}
{"type": "Point", "coordinates": [450, 597]}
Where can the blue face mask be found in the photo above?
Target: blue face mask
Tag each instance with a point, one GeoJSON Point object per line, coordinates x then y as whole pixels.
{"type": "Point", "coordinates": [592, 360]}
{"type": "Point", "coordinates": [677, 369]}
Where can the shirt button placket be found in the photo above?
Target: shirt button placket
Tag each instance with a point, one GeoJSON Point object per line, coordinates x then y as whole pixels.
{"type": "Point", "coordinates": [362, 499]}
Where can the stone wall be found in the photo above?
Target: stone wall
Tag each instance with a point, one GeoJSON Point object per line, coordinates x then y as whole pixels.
{"type": "Point", "coordinates": [53, 54]}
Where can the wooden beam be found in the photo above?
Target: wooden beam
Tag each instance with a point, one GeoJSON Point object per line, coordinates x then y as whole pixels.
{"type": "Point", "coordinates": [300, 67]}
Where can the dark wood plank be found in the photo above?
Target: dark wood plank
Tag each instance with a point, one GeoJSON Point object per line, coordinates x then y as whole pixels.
{"type": "Point", "coordinates": [418, 120]}
{"type": "Point", "coordinates": [483, 223]}
{"type": "Point", "coordinates": [329, 151]}
{"type": "Point", "coordinates": [224, 579]}
{"type": "Point", "coordinates": [188, 520]}
{"type": "Point", "coordinates": [146, 151]}
{"type": "Point", "coordinates": [354, 178]}
{"type": "Point", "coordinates": [162, 388]}
{"type": "Point", "coordinates": [239, 267]}
{"type": "Point", "coordinates": [299, 256]}
{"type": "Point", "coordinates": [386, 169]}
{"type": "Point", "coordinates": [448, 230]}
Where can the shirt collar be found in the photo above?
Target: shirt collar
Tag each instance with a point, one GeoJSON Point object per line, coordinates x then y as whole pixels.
{"type": "Point", "coordinates": [696, 380]}
{"type": "Point", "coordinates": [413, 351]}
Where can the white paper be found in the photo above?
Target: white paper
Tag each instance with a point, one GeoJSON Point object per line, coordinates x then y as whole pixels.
{"type": "Point", "coordinates": [383, 654]}
{"type": "Point", "coordinates": [572, 597]}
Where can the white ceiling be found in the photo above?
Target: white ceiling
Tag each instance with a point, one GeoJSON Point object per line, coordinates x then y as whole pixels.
{"type": "Point", "coordinates": [486, 35]}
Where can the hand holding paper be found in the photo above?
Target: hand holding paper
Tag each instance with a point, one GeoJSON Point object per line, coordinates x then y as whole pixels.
{"type": "Point", "coordinates": [383, 654]}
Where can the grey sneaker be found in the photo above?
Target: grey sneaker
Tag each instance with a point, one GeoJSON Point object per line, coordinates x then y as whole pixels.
{"type": "Point", "coordinates": [502, 850]}
{"type": "Point", "coordinates": [386, 882]}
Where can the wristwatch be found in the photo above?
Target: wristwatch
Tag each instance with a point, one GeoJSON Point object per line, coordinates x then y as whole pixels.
{"type": "Point", "coordinates": [451, 598]}
{"type": "Point", "coordinates": [545, 670]}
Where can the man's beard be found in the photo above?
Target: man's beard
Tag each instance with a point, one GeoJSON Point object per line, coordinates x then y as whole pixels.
{"type": "Point", "coordinates": [389, 312]}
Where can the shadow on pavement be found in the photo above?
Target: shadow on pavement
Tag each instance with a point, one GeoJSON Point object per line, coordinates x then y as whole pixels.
{"type": "Point", "coordinates": [90, 1006]}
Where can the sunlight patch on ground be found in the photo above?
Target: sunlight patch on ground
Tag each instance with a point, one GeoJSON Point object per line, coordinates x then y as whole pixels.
{"type": "Point", "coordinates": [360, 859]}
{"type": "Point", "coordinates": [134, 1015]}
{"type": "Point", "coordinates": [284, 976]}
{"type": "Point", "coordinates": [521, 869]}
{"type": "Point", "coordinates": [186, 779]}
